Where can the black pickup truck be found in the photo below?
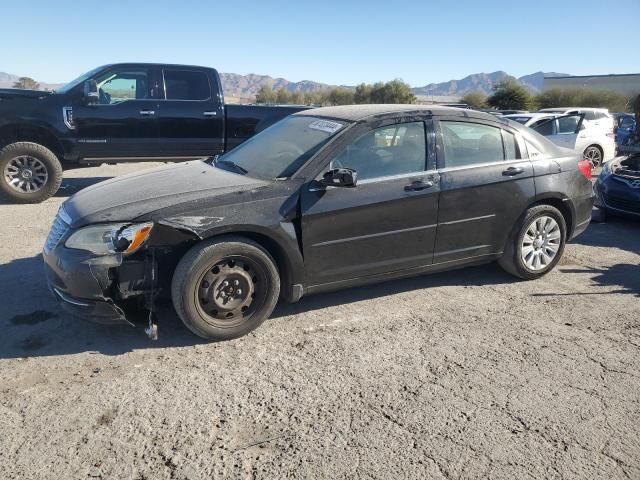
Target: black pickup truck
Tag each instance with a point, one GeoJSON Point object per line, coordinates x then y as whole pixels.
{"type": "Point", "coordinates": [127, 112]}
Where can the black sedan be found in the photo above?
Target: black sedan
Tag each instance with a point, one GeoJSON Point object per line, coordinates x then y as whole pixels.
{"type": "Point", "coordinates": [325, 199]}
{"type": "Point", "coordinates": [617, 189]}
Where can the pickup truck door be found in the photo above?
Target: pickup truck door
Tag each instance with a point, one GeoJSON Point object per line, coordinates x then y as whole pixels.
{"type": "Point", "coordinates": [387, 222]}
{"type": "Point", "coordinates": [122, 125]}
{"type": "Point", "coordinates": [191, 114]}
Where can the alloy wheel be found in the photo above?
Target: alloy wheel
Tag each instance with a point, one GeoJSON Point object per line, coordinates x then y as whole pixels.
{"type": "Point", "coordinates": [594, 156]}
{"type": "Point", "coordinates": [25, 174]}
{"type": "Point", "coordinates": [540, 243]}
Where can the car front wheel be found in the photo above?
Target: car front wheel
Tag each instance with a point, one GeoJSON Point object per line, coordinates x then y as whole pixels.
{"type": "Point", "coordinates": [225, 288]}
{"type": "Point", "coordinates": [537, 244]}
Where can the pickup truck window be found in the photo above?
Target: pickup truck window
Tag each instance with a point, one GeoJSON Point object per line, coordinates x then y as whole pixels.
{"type": "Point", "coordinates": [280, 150]}
{"type": "Point", "coordinates": [117, 87]}
{"type": "Point", "coordinates": [186, 85]}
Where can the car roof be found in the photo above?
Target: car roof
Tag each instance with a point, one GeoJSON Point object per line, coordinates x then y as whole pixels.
{"type": "Point", "coordinates": [354, 113]}
{"type": "Point", "coordinates": [531, 115]}
{"type": "Point", "coordinates": [583, 109]}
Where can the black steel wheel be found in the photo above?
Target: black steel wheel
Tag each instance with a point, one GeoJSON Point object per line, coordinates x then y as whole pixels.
{"type": "Point", "coordinates": [225, 288]}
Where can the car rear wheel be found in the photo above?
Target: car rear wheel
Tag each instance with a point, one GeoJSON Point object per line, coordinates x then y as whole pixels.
{"type": "Point", "coordinates": [594, 155]}
{"type": "Point", "coordinates": [537, 244]}
{"type": "Point", "coordinates": [29, 172]}
{"type": "Point", "coordinates": [225, 288]}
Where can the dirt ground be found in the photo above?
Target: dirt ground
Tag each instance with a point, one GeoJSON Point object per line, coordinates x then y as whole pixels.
{"type": "Point", "coordinates": [466, 374]}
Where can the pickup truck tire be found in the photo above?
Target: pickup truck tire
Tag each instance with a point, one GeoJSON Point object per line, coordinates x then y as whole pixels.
{"type": "Point", "coordinates": [224, 288]}
{"type": "Point", "coordinates": [537, 243]}
{"type": "Point", "coordinates": [29, 172]}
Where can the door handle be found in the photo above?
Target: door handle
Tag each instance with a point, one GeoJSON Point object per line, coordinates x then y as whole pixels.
{"type": "Point", "coordinates": [210, 114]}
{"type": "Point", "coordinates": [418, 185]}
{"type": "Point", "coordinates": [512, 171]}
{"type": "Point", "coordinates": [147, 113]}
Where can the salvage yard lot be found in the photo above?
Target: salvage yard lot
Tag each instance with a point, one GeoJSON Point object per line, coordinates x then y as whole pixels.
{"type": "Point", "coordinates": [462, 374]}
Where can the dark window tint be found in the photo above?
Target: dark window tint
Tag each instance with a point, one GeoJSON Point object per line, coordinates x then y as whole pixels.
{"type": "Point", "coordinates": [568, 125]}
{"type": "Point", "coordinates": [543, 127]}
{"type": "Point", "coordinates": [626, 122]}
{"type": "Point", "coordinates": [386, 151]}
{"type": "Point", "coordinates": [186, 85]}
{"type": "Point", "coordinates": [471, 143]}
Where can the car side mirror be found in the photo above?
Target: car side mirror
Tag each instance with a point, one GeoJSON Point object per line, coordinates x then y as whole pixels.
{"type": "Point", "coordinates": [91, 91]}
{"type": "Point", "coordinates": [340, 177]}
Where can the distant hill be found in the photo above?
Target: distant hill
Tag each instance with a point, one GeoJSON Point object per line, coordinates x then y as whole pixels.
{"type": "Point", "coordinates": [483, 82]}
{"type": "Point", "coordinates": [246, 86]}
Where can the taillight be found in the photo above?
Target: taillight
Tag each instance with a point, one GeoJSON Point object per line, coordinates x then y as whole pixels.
{"type": "Point", "coordinates": [585, 168]}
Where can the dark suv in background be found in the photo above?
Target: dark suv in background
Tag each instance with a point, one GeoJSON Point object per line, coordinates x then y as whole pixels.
{"type": "Point", "coordinates": [324, 199]}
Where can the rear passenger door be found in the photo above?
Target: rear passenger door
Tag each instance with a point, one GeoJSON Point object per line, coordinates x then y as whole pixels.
{"type": "Point", "coordinates": [485, 185]}
{"type": "Point", "coordinates": [191, 115]}
{"type": "Point", "coordinates": [567, 132]}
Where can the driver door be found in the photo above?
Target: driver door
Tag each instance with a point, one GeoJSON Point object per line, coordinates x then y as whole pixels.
{"type": "Point", "coordinates": [387, 222]}
{"type": "Point", "coordinates": [123, 124]}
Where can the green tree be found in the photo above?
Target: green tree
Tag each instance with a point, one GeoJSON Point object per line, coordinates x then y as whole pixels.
{"type": "Point", "coordinates": [395, 91]}
{"type": "Point", "coordinates": [476, 100]}
{"type": "Point", "coordinates": [266, 95]}
{"type": "Point", "coordinates": [26, 82]}
{"type": "Point", "coordinates": [577, 97]}
{"type": "Point", "coordinates": [339, 96]}
{"type": "Point", "coordinates": [509, 94]}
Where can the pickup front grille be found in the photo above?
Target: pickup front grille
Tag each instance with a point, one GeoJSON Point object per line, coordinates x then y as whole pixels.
{"type": "Point", "coordinates": [58, 229]}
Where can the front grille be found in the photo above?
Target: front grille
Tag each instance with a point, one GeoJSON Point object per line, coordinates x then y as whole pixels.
{"type": "Point", "coordinates": [621, 203]}
{"type": "Point", "coordinates": [58, 229]}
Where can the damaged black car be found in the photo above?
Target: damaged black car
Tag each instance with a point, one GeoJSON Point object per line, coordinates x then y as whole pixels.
{"type": "Point", "coordinates": [325, 199]}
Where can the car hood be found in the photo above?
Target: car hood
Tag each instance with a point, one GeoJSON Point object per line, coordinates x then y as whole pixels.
{"type": "Point", "coordinates": [6, 93]}
{"type": "Point", "coordinates": [126, 198]}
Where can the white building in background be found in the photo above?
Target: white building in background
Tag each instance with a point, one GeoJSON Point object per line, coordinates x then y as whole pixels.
{"type": "Point", "coordinates": [627, 83]}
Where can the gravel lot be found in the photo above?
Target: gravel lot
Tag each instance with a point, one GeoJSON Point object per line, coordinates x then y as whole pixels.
{"type": "Point", "coordinates": [465, 374]}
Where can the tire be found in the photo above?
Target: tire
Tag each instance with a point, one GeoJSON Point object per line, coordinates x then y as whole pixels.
{"type": "Point", "coordinates": [512, 260]}
{"type": "Point", "coordinates": [43, 168]}
{"type": "Point", "coordinates": [213, 310]}
{"type": "Point", "coordinates": [595, 155]}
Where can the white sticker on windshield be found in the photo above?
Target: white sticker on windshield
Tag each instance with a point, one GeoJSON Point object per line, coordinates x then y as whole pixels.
{"type": "Point", "coordinates": [326, 126]}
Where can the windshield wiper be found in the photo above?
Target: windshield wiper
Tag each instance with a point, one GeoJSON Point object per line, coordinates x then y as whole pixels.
{"type": "Point", "coordinates": [230, 166]}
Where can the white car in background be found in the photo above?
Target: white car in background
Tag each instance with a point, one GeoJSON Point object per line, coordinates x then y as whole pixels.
{"type": "Point", "coordinates": [574, 131]}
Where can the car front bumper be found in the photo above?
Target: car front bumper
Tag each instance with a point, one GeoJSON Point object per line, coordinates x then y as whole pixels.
{"type": "Point", "coordinates": [82, 283]}
{"type": "Point", "coordinates": [615, 196]}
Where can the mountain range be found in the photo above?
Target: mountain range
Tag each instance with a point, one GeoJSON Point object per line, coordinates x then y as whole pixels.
{"type": "Point", "coordinates": [246, 86]}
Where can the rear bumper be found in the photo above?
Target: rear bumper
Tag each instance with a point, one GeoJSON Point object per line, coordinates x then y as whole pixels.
{"type": "Point", "coordinates": [582, 208]}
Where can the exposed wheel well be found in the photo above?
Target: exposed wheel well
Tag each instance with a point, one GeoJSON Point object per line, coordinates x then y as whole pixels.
{"type": "Point", "coordinates": [27, 133]}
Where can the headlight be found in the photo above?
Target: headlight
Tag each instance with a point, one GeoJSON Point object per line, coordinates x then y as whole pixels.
{"type": "Point", "coordinates": [110, 238]}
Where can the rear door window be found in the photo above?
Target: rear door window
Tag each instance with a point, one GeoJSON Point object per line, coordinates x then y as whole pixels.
{"type": "Point", "coordinates": [468, 143]}
{"type": "Point", "coordinates": [544, 127]}
{"type": "Point", "coordinates": [186, 85]}
{"type": "Point", "coordinates": [568, 125]}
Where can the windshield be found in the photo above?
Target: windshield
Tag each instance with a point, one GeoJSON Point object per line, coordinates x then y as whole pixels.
{"type": "Point", "coordinates": [280, 150]}
{"type": "Point", "coordinates": [79, 80]}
